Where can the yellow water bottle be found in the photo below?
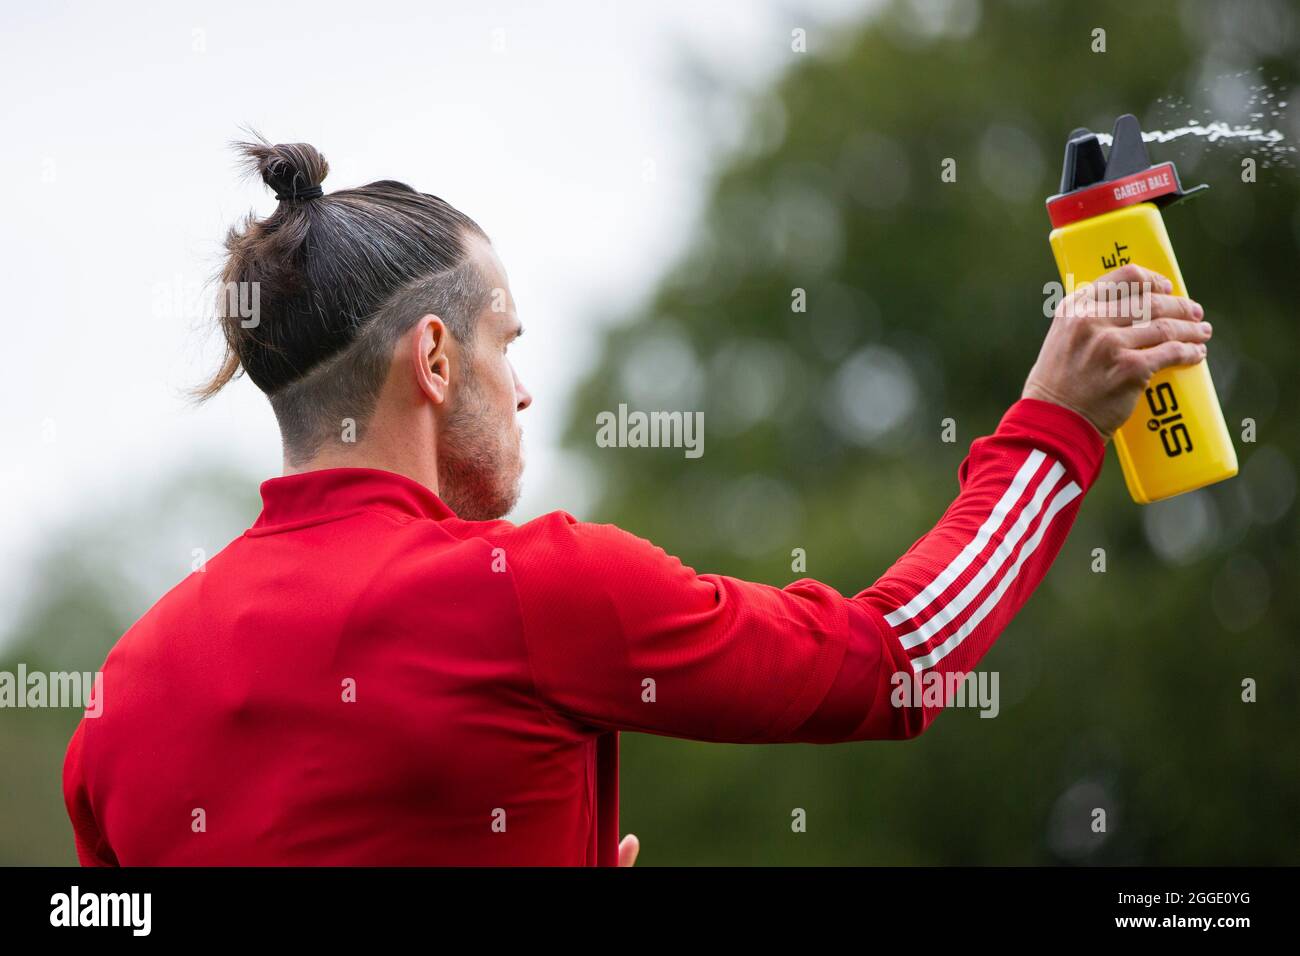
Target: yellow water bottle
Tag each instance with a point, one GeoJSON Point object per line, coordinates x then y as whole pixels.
{"type": "Point", "coordinates": [1106, 216]}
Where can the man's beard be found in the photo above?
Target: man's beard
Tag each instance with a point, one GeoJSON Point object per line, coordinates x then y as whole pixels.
{"type": "Point", "coordinates": [479, 467]}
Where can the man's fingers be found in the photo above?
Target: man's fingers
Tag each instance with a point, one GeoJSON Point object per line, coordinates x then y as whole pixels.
{"type": "Point", "coordinates": [1126, 282]}
{"type": "Point", "coordinates": [1140, 308]}
{"type": "Point", "coordinates": [1168, 329]}
{"type": "Point", "coordinates": [1147, 305]}
{"type": "Point", "coordinates": [1126, 277]}
{"type": "Point", "coordinates": [1175, 307]}
{"type": "Point", "coordinates": [1128, 295]}
{"type": "Point", "coordinates": [1168, 354]}
{"type": "Point", "coordinates": [628, 850]}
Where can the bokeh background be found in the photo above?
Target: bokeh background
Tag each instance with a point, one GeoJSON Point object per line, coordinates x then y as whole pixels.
{"type": "Point", "coordinates": [659, 181]}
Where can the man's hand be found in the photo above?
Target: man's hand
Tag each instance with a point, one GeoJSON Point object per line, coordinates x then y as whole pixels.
{"type": "Point", "coordinates": [1108, 338]}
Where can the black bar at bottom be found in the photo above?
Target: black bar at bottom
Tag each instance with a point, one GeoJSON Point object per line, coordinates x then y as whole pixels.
{"type": "Point", "coordinates": [548, 905]}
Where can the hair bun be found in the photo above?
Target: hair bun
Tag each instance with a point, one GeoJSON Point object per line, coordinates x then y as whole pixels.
{"type": "Point", "coordinates": [293, 170]}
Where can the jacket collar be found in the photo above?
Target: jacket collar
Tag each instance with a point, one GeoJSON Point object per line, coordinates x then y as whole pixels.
{"type": "Point", "coordinates": [312, 497]}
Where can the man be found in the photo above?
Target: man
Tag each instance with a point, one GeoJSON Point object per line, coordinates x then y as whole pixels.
{"type": "Point", "coordinates": [381, 671]}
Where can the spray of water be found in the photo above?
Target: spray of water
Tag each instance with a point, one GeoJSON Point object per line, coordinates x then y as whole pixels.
{"type": "Point", "coordinates": [1246, 95]}
{"type": "Point", "coordinates": [1212, 131]}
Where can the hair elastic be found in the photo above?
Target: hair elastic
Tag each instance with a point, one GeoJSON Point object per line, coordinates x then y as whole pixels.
{"type": "Point", "coordinates": [311, 192]}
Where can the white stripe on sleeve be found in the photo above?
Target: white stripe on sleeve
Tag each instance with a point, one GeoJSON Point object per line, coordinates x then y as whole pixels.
{"type": "Point", "coordinates": [995, 561]}
{"type": "Point", "coordinates": [962, 561]}
{"type": "Point", "coordinates": [1062, 498]}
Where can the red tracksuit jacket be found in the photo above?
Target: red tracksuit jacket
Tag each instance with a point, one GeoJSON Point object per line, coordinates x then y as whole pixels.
{"type": "Point", "coordinates": [364, 678]}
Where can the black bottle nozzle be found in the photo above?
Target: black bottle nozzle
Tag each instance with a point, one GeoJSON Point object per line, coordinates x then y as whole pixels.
{"type": "Point", "coordinates": [1088, 173]}
{"type": "Point", "coordinates": [1128, 154]}
{"type": "Point", "coordinates": [1085, 163]}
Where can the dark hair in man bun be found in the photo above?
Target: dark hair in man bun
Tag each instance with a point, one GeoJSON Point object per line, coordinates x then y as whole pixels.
{"type": "Point", "coordinates": [314, 296]}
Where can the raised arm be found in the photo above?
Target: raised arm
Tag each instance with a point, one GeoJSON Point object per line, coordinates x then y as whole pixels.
{"type": "Point", "coordinates": [941, 606]}
{"type": "Point", "coordinates": [623, 636]}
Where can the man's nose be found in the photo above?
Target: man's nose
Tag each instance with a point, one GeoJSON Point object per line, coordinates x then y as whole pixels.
{"type": "Point", "coordinates": [521, 395]}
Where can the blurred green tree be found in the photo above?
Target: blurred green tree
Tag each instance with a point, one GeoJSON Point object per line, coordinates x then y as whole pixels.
{"type": "Point", "coordinates": [924, 301]}
{"type": "Point", "coordinates": [100, 574]}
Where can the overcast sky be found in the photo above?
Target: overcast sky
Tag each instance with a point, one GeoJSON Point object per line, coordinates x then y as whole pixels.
{"type": "Point", "coordinates": [565, 129]}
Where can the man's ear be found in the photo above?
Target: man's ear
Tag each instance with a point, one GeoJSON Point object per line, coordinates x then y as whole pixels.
{"type": "Point", "coordinates": [429, 345]}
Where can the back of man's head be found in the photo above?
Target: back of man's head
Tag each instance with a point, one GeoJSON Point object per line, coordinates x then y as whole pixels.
{"type": "Point", "coordinates": [315, 296]}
